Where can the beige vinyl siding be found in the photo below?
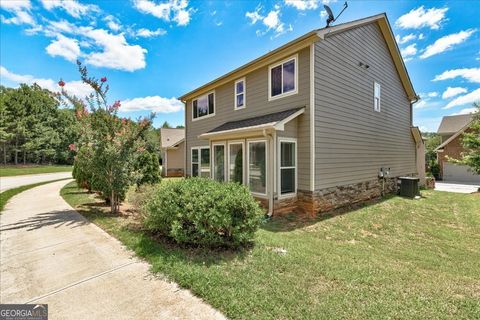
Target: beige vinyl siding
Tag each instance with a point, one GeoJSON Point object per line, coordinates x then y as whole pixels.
{"type": "Point", "coordinates": [352, 141]}
{"type": "Point", "coordinates": [257, 104]}
{"type": "Point", "coordinates": [176, 157]}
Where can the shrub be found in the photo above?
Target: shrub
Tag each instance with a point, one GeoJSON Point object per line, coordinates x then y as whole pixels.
{"type": "Point", "coordinates": [148, 168]}
{"type": "Point", "coordinates": [203, 212]}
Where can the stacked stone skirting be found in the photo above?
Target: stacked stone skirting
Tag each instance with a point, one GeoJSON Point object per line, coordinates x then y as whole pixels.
{"type": "Point", "coordinates": [312, 203]}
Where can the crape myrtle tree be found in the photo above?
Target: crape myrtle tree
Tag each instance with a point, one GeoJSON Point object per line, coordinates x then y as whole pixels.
{"type": "Point", "coordinates": [108, 146]}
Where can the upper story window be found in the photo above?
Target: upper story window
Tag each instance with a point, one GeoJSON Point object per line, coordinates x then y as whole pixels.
{"type": "Point", "coordinates": [376, 96]}
{"type": "Point", "coordinates": [283, 78]}
{"type": "Point", "coordinates": [203, 106]}
{"type": "Point", "coordinates": [240, 94]}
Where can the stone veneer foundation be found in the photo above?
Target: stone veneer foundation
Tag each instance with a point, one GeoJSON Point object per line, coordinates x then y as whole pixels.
{"type": "Point", "coordinates": [312, 203]}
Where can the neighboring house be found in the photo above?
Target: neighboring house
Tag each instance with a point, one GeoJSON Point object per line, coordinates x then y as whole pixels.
{"type": "Point", "coordinates": [173, 152]}
{"type": "Point", "coordinates": [312, 125]}
{"type": "Point", "coordinates": [450, 130]}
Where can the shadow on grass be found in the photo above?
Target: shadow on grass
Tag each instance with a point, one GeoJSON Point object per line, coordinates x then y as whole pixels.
{"type": "Point", "coordinates": [293, 221]}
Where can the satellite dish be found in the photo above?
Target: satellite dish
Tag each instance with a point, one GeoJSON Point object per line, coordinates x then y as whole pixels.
{"type": "Point", "coordinates": [331, 17]}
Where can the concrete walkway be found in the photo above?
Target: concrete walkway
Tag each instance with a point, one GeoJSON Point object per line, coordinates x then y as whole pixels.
{"type": "Point", "coordinates": [18, 181]}
{"type": "Point", "coordinates": [457, 187]}
{"type": "Point", "coordinates": [51, 254]}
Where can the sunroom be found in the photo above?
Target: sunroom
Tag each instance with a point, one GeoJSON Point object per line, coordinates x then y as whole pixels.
{"type": "Point", "coordinates": [260, 152]}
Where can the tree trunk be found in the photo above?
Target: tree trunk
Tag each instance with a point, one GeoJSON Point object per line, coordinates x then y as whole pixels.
{"type": "Point", "coordinates": [112, 202]}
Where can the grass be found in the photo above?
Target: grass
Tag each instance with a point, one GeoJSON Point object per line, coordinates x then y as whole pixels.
{"type": "Point", "coordinates": [396, 259]}
{"type": "Point", "coordinates": [12, 170]}
{"type": "Point", "coordinates": [8, 194]}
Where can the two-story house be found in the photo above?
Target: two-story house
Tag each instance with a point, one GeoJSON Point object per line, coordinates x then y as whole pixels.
{"type": "Point", "coordinates": [311, 125]}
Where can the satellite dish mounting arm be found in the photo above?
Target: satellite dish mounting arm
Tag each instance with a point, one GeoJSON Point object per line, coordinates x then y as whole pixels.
{"type": "Point", "coordinates": [330, 13]}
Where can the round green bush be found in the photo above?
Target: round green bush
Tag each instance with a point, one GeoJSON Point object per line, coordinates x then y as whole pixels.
{"type": "Point", "coordinates": [203, 212]}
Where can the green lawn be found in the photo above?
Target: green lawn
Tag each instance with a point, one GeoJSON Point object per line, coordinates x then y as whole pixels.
{"type": "Point", "coordinates": [397, 259]}
{"type": "Point", "coordinates": [8, 171]}
{"type": "Point", "coordinates": [6, 195]}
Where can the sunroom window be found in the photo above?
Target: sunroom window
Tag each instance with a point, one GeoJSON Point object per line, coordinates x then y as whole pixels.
{"type": "Point", "coordinates": [201, 162]}
{"type": "Point", "coordinates": [204, 106]}
{"type": "Point", "coordinates": [283, 77]}
{"type": "Point", "coordinates": [287, 167]}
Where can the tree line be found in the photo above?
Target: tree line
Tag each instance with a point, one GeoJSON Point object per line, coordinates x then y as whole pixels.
{"type": "Point", "coordinates": [35, 128]}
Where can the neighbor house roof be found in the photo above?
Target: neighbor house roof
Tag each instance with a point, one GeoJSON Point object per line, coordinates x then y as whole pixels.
{"type": "Point", "coordinates": [274, 121]}
{"type": "Point", "coordinates": [452, 124]}
{"type": "Point", "coordinates": [305, 41]}
{"type": "Point", "coordinates": [171, 137]}
{"type": "Point", "coordinates": [459, 132]}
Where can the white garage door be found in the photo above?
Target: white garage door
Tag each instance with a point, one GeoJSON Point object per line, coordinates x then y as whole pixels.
{"type": "Point", "coordinates": [458, 173]}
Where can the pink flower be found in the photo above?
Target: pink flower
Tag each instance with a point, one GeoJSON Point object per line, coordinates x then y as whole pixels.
{"type": "Point", "coordinates": [103, 79]}
{"type": "Point", "coordinates": [61, 83]}
{"type": "Point", "coordinates": [71, 146]}
{"type": "Point", "coordinates": [114, 106]}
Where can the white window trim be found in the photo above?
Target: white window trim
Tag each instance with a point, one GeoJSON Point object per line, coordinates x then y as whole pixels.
{"type": "Point", "coordinates": [379, 97]}
{"type": "Point", "coordinates": [289, 93]}
{"type": "Point", "coordinates": [279, 161]}
{"type": "Point", "coordinates": [236, 94]}
{"type": "Point", "coordinates": [214, 105]}
{"type": "Point", "coordinates": [212, 160]}
{"type": "Point", "coordinates": [233, 142]}
{"type": "Point", "coordinates": [261, 195]}
{"type": "Point", "coordinates": [199, 161]}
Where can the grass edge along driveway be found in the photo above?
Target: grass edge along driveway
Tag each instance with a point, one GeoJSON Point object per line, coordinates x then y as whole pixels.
{"type": "Point", "coordinates": [399, 258]}
{"type": "Point", "coordinates": [8, 194]}
{"type": "Point", "coordinates": [20, 170]}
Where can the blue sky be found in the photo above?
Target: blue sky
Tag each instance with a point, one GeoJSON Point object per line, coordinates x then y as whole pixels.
{"type": "Point", "coordinates": [152, 51]}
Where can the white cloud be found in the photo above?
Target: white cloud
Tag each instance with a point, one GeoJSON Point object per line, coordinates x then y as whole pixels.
{"type": "Point", "coordinates": [254, 16]}
{"type": "Point", "coordinates": [405, 39]}
{"type": "Point", "coordinates": [72, 7]}
{"type": "Point", "coordinates": [469, 74]}
{"type": "Point", "coordinates": [271, 21]}
{"type": "Point", "coordinates": [468, 98]}
{"type": "Point", "coordinates": [113, 23]}
{"type": "Point", "coordinates": [152, 103]}
{"type": "Point", "coordinates": [465, 111]}
{"type": "Point", "coordinates": [323, 14]}
{"type": "Point", "coordinates": [171, 10]}
{"type": "Point", "coordinates": [146, 33]}
{"type": "Point", "coordinates": [409, 51]}
{"type": "Point", "coordinates": [421, 104]}
{"type": "Point", "coordinates": [421, 36]}
{"type": "Point", "coordinates": [420, 18]}
{"type": "Point", "coordinates": [115, 52]}
{"type": "Point", "coordinates": [452, 92]}
{"type": "Point", "coordinates": [303, 4]}
{"type": "Point", "coordinates": [446, 43]}
{"type": "Point", "coordinates": [20, 10]}
{"type": "Point", "coordinates": [64, 47]}
{"type": "Point", "coordinates": [432, 94]}
{"type": "Point", "coordinates": [77, 88]}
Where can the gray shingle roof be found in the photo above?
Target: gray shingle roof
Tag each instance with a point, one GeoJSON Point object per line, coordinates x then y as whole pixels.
{"type": "Point", "coordinates": [451, 124]}
{"type": "Point", "coordinates": [170, 137]}
{"type": "Point", "coordinates": [256, 121]}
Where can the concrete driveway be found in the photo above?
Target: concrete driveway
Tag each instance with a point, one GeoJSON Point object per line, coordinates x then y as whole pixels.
{"type": "Point", "coordinates": [18, 181]}
{"type": "Point", "coordinates": [51, 254]}
{"type": "Point", "coordinates": [458, 187]}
